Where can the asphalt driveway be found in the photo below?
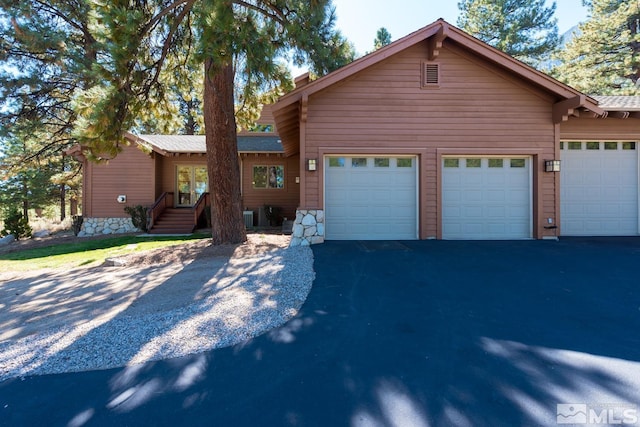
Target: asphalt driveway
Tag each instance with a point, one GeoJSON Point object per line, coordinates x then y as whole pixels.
{"type": "Point", "coordinates": [428, 333]}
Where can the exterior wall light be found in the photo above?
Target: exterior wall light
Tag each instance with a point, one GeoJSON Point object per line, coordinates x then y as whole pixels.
{"type": "Point", "coordinates": [552, 165]}
{"type": "Point", "coordinates": [312, 164]}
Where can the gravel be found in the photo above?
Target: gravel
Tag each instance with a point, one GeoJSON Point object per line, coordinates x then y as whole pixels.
{"type": "Point", "coordinates": [203, 306]}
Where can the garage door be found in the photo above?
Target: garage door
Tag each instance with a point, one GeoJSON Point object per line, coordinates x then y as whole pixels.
{"type": "Point", "coordinates": [486, 198]}
{"type": "Point", "coordinates": [599, 188]}
{"type": "Point", "coordinates": [370, 198]}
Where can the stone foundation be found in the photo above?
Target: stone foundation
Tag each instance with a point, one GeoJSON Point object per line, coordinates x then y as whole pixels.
{"type": "Point", "coordinates": [96, 226]}
{"type": "Point", "coordinates": [308, 228]}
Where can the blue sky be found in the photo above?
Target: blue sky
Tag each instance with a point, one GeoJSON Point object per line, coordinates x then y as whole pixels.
{"type": "Point", "coordinates": [360, 19]}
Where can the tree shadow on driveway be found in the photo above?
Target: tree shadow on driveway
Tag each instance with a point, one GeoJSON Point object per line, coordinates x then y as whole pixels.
{"type": "Point", "coordinates": [435, 333]}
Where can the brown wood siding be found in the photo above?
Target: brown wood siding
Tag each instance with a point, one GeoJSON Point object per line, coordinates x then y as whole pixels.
{"type": "Point", "coordinates": [130, 173]}
{"type": "Point", "coordinates": [600, 129]}
{"type": "Point", "coordinates": [476, 108]}
{"type": "Point", "coordinates": [286, 198]}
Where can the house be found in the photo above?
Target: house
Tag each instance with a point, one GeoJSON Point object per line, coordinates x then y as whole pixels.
{"type": "Point", "coordinates": [435, 136]}
{"type": "Point", "coordinates": [440, 136]}
{"type": "Point", "coordinates": [168, 173]}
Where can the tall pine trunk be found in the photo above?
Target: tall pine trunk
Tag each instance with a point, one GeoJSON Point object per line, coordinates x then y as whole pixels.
{"type": "Point", "coordinates": [222, 154]}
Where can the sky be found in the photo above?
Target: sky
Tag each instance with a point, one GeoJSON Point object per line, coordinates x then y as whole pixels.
{"type": "Point", "coordinates": [359, 20]}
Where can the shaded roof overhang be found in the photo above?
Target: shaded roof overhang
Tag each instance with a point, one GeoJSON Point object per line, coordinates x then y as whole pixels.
{"type": "Point", "coordinates": [290, 109]}
{"type": "Point", "coordinates": [170, 145]}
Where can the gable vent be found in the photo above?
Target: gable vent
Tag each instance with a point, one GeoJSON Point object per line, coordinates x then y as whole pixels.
{"type": "Point", "coordinates": [431, 74]}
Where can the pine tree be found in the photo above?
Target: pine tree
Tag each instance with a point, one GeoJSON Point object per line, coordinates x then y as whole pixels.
{"type": "Point", "coordinates": [383, 38]}
{"type": "Point", "coordinates": [603, 58]}
{"type": "Point", "coordinates": [524, 29]}
{"type": "Point", "coordinates": [237, 43]}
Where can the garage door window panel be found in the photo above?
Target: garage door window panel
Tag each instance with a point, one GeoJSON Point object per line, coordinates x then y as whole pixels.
{"type": "Point", "coordinates": [404, 163]}
{"type": "Point", "coordinates": [496, 163]}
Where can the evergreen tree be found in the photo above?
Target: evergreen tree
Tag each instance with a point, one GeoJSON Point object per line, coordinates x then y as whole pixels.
{"type": "Point", "coordinates": [603, 58]}
{"type": "Point", "coordinates": [383, 38]}
{"type": "Point", "coordinates": [524, 29]}
{"type": "Point", "coordinates": [238, 44]}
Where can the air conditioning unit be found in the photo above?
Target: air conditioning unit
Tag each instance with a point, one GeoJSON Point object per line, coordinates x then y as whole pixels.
{"type": "Point", "coordinates": [248, 219]}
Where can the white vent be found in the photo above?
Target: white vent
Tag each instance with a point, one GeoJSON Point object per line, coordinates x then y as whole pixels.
{"type": "Point", "coordinates": [248, 219]}
{"type": "Point", "coordinates": [431, 74]}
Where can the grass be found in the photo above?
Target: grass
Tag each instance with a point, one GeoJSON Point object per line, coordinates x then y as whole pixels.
{"type": "Point", "coordinates": [87, 253]}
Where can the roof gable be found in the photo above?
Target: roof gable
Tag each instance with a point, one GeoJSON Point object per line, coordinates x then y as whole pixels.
{"type": "Point", "coordinates": [291, 108]}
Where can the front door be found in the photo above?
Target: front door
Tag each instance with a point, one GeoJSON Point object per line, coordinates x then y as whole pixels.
{"type": "Point", "coordinates": [192, 183]}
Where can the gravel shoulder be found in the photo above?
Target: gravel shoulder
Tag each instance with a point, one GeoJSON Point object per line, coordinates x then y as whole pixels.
{"type": "Point", "coordinates": [161, 304]}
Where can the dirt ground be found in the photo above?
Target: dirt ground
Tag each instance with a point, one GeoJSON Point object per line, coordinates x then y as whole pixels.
{"type": "Point", "coordinates": [151, 281]}
{"type": "Point", "coordinates": [181, 254]}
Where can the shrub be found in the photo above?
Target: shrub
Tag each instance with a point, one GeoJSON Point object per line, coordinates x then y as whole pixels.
{"type": "Point", "coordinates": [15, 223]}
{"type": "Point", "coordinates": [273, 214]}
{"type": "Point", "coordinates": [76, 224]}
{"type": "Point", "coordinates": [139, 216]}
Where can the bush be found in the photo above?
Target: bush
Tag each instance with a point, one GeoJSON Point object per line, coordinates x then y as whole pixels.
{"type": "Point", "coordinates": [15, 223]}
{"type": "Point", "coordinates": [139, 216]}
{"type": "Point", "coordinates": [76, 224]}
{"type": "Point", "coordinates": [273, 214]}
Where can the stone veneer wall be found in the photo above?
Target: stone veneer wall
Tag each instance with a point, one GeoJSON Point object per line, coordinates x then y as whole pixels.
{"type": "Point", "coordinates": [94, 226]}
{"type": "Point", "coordinates": [308, 228]}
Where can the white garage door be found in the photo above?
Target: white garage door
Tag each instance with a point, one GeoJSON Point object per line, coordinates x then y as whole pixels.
{"type": "Point", "coordinates": [486, 198]}
{"type": "Point", "coordinates": [370, 198]}
{"type": "Point", "coordinates": [599, 189]}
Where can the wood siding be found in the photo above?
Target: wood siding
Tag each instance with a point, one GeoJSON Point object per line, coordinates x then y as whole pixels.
{"type": "Point", "coordinates": [476, 109]}
{"type": "Point", "coordinates": [286, 198]}
{"type": "Point", "coordinates": [130, 173]}
{"type": "Point", "coordinates": [586, 129]}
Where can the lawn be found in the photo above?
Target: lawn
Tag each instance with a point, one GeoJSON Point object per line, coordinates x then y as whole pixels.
{"type": "Point", "coordinates": [88, 253]}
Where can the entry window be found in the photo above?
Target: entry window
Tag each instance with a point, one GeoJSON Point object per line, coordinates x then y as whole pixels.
{"type": "Point", "coordinates": [405, 163]}
{"type": "Point", "coordinates": [336, 162]}
{"type": "Point", "coordinates": [268, 177]}
{"type": "Point", "coordinates": [496, 163]}
{"type": "Point", "coordinates": [593, 145]}
{"type": "Point", "coordinates": [610, 145]}
{"type": "Point", "coordinates": [381, 162]}
{"type": "Point", "coordinates": [517, 163]}
{"type": "Point", "coordinates": [474, 163]}
{"type": "Point", "coordinates": [628, 145]}
{"type": "Point", "coordinates": [575, 146]}
{"type": "Point", "coordinates": [359, 162]}
{"type": "Point", "coordinates": [451, 163]}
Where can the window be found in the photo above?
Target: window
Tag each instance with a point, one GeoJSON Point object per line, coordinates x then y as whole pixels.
{"type": "Point", "coordinates": [359, 162]}
{"type": "Point", "coordinates": [628, 145]}
{"type": "Point", "coordinates": [610, 145]}
{"type": "Point", "coordinates": [562, 145]}
{"type": "Point", "coordinates": [405, 163]}
{"type": "Point", "coordinates": [517, 163]}
{"type": "Point", "coordinates": [496, 163]}
{"type": "Point", "coordinates": [268, 177]}
{"type": "Point", "coordinates": [451, 163]}
{"type": "Point", "coordinates": [593, 145]}
{"type": "Point", "coordinates": [474, 163]}
{"type": "Point", "coordinates": [575, 146]}
{"type": "Point", "coordinates": [336, 162]}
{"type": "Point", "coordinates": [381, 162]}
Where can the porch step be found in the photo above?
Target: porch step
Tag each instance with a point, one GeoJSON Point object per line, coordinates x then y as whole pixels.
{"type": "Point", "coordinates": [174, 221]}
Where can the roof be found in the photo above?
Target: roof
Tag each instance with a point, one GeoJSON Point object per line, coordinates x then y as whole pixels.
{"type": "Point", "coordinates": [177, 144]}
{"type": "Point", "coordinates": [291, 108]}
{"type": "Point", "coordinates": [619, 103]}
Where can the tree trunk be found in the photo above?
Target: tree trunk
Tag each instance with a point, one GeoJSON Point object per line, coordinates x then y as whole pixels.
{"type": "Point", "coordinates": [222, 154]}
{"type": "Point", "coordinates": [63, 196]}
